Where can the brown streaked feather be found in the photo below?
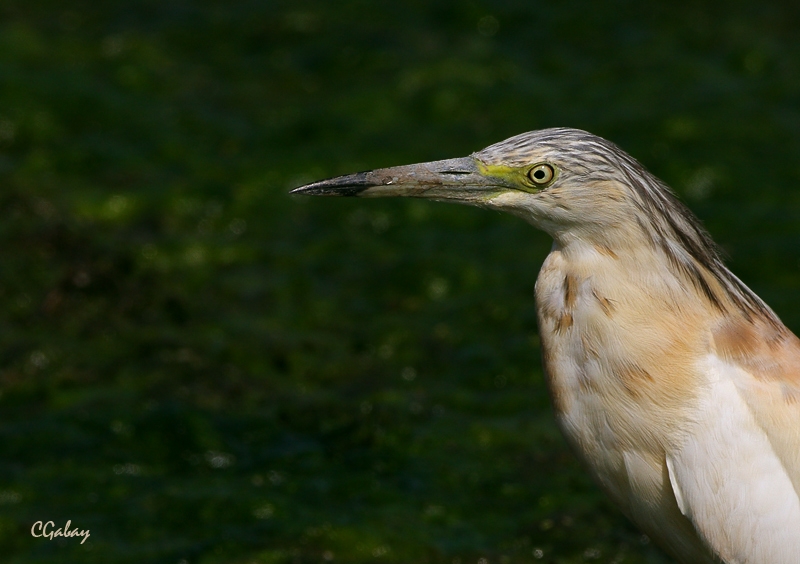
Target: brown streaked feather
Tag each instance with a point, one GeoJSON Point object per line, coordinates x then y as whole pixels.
{"type": "Point", "coordinates": [605, 250]}
{"type": "Point", "coordinates": [564, 322]}
{"type": "Point", "coordinates": [569, 291]}
{"type": "Point", "coordinates": [633, 378]}
{"type": "Point", "coordinates": [606, 304]}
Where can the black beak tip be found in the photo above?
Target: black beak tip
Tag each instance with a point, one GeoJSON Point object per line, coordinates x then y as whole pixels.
{"type": "Point", "coordinates": [348, 185]}
{"type": "Point", "coordinates": [312, 189]}
{"type": "Point", "coordinates": [305, 190]}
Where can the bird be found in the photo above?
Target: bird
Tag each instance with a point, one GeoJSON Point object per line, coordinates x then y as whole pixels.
{"type": "Point", "coordinates": [675, 384]}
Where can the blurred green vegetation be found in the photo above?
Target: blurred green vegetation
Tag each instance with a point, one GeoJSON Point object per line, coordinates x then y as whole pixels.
{"type": "Point", "coordinates": [198, 368]}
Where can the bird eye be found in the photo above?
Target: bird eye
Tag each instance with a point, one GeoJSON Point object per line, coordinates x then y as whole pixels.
{"type": "Point", "coordinates": [541, 174]}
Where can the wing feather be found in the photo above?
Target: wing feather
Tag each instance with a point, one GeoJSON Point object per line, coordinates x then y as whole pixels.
{"type": "Point", "coordinates": [768, 380]}
{"type": "Point", "coordinates": [733, 475]}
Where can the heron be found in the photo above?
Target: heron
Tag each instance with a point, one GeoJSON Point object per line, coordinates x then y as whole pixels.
{"type": "Point", "coordinates": [673, 382]}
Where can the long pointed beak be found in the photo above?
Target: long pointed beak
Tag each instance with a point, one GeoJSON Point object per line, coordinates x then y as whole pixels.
{"type": "Point", "coordinates": [451, 179]}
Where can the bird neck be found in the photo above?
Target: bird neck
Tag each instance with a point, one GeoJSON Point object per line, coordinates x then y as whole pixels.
{"type": "Point", "coordinates": [627, 266]}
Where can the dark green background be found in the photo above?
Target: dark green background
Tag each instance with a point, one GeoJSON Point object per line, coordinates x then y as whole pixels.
{"type": "Point", "coordinates": [199, 368]}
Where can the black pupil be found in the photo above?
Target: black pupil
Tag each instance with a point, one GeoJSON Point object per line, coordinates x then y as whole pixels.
{"type": "Point", "coordinates": [539, 174]}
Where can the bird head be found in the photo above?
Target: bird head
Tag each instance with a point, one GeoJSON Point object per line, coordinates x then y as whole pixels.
{"type": "Point", "coordinates": [566, 182]}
